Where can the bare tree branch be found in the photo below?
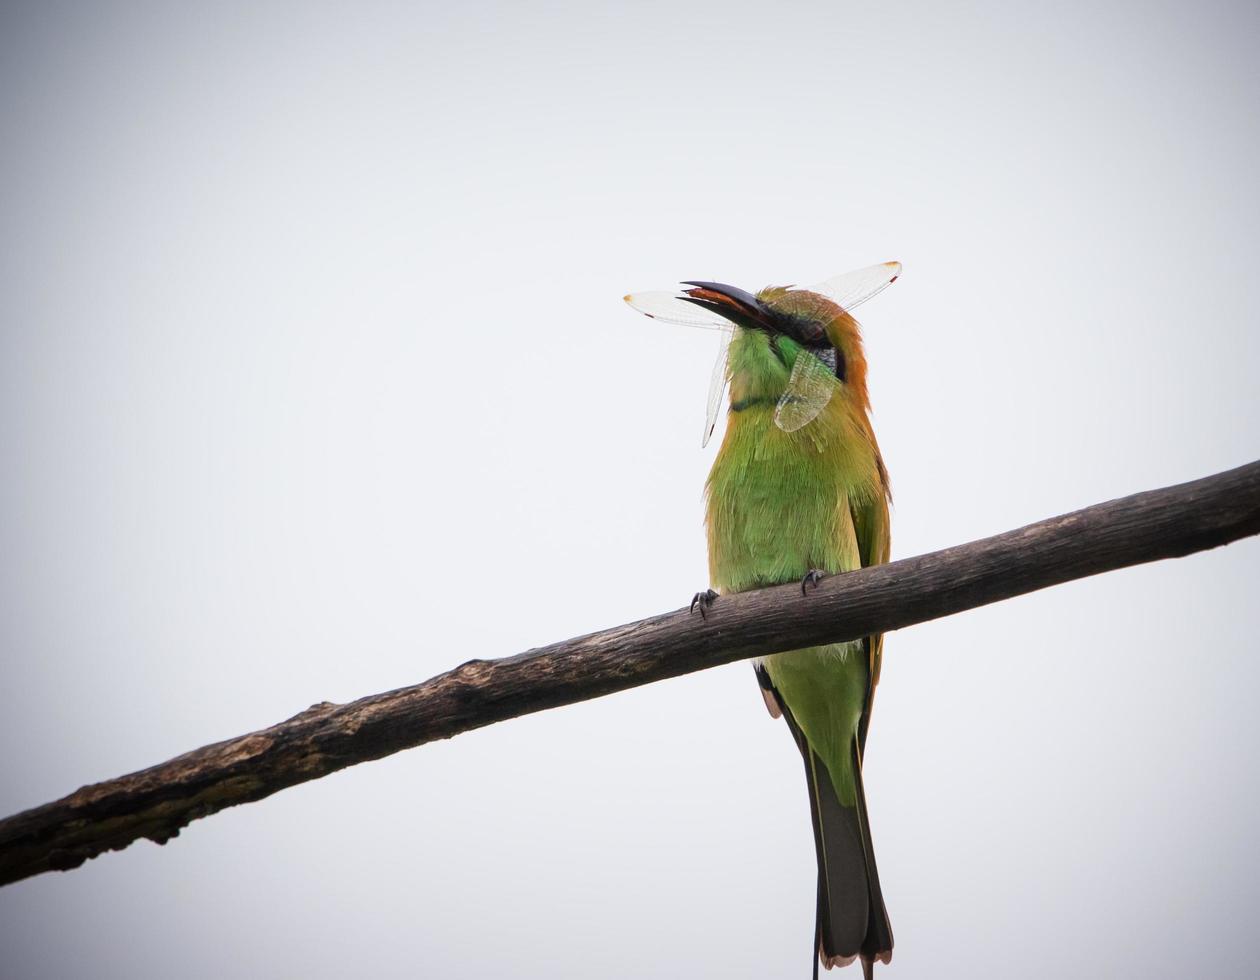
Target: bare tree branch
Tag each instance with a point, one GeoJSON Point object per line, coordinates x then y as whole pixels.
{"type": "Point", "coordinates": [156, 803]}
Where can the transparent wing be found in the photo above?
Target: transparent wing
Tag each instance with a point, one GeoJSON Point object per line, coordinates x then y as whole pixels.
{"type": "Point", "coordinates": [717, 388]}
{"type": "Point", "coordinates": [854, 288]}
{"type": "Point", "coordinates": [672, 308]}
{"type": "Point", "coordinates": [810, 387]}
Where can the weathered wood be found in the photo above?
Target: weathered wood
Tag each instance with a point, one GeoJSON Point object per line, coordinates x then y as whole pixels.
{"type": "Point", "coordinates": [156, 803]}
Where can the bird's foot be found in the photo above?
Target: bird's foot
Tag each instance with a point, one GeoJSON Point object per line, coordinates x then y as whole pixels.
{"type": "Point", "coordinates": [704, 600]}
{"type": "Point", "coordinates": [812, 577]}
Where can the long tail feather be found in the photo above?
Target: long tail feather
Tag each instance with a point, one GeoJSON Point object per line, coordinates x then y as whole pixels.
{"type": "Point", "coordinates": [878, 943]}
{"type": "Point", "coordinates": [851, 919]}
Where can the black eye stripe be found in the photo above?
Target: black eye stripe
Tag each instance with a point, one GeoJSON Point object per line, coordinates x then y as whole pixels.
{"type": "Point", "coordinates": [808, 333]}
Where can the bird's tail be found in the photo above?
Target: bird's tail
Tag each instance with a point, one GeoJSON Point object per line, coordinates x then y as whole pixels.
{"type": "Point", "coordinates": [852, 922]}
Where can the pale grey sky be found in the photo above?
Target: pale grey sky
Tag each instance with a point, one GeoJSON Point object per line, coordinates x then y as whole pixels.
{"type": "Point", "coordinates": [310, 316]}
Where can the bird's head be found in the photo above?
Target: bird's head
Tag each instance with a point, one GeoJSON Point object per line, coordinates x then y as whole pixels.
{"type": "Point", "coordinates": [797, 351]}
{"type": "Point", "coordinates": [773, 326]}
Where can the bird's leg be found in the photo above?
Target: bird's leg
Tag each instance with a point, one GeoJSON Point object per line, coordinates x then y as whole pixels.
{"type": "Point", "coordinates": [704, 600]}
{"type": "Point", "coordinates": [812, 577]}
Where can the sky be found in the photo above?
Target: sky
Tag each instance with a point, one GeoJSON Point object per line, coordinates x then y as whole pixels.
{"type": "Point", "coordinates": [315, 381]}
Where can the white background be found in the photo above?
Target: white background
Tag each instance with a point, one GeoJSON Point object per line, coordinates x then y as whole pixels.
{"type": "Point", "coordinates": [315, 381]}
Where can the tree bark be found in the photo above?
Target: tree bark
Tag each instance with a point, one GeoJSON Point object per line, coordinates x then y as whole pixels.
{"type": "Point", "coordinates": [157, 802]}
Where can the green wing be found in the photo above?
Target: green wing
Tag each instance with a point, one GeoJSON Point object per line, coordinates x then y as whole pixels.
{"type": "Point", "coordinates": [870, 522]}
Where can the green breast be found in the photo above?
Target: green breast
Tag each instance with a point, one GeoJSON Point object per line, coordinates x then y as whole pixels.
{"type": "Point", "coordinates": [775, 508]}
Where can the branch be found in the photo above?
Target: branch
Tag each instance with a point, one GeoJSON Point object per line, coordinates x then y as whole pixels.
{"type": "Point", "coordinates": [156, 803]}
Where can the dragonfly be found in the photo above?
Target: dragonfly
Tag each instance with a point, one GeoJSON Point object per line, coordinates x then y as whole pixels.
{"type": "Point", "coordinates": [813, 380]}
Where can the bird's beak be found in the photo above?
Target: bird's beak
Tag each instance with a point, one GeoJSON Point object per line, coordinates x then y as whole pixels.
{"type": "Point", "coordinates": [740, 307]}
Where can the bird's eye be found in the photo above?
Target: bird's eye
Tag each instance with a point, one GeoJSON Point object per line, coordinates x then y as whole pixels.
{"type": "Point", "coordinates": [806, 332]}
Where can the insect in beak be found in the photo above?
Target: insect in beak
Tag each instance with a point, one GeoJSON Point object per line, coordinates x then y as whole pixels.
{"type": "Point", "coordinates": [730, 302]}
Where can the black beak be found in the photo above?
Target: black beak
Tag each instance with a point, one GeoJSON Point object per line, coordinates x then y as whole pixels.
{"type": "Point", "coordinates": [730, 302]}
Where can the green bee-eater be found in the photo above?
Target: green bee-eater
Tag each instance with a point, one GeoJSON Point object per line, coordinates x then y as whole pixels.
{"type": "Point", "coordinates": [798, 490]}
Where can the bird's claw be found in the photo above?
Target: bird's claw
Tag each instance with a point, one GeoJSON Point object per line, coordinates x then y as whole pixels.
{"type": "Point", "coordinates": [812, 577]}
{"type": "Point", "coordinates": [704, 600]}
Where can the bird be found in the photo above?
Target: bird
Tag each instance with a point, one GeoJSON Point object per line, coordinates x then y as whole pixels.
{"type": "Point", "coordinates": [799, 490]}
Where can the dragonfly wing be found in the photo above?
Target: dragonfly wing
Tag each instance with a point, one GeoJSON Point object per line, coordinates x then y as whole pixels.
{"type": "Point", "coordinates": [852, 289]}
{"type": "Point", "coordinates": [809, 389]}
{"type": "Point", "coordinates": [672, 308]}
{"type": "Point", "coordinates": [717, 388]}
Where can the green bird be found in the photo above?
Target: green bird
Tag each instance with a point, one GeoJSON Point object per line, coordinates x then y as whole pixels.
{"type": "Point", "coordinates": [799, 490]}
